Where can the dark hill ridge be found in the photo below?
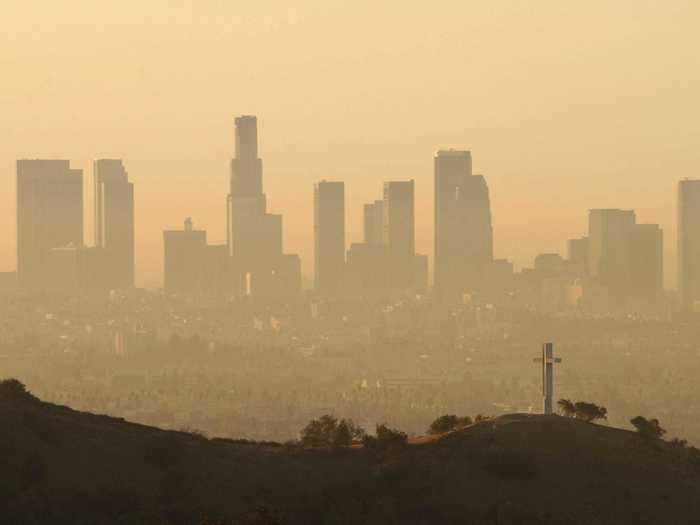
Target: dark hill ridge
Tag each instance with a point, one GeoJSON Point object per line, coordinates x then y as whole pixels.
{"type": "Point", "coordinates": [62, 466]}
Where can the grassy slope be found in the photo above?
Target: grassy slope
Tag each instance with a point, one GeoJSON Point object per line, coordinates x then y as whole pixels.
{"type": "Point", "coordinates": [492, 472]}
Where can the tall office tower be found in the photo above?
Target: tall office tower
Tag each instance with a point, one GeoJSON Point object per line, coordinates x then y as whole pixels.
{"type": "Point", "coordinates": [254, 236]}
{"type": "Point", "coordinates": [577, 257]}
{"type": "Point", "coordinates": [645, 255]}
{"type": "Point", "coordinates": [608, 254]}
{"type": "Point", "coordinates": [114, 222]}
{"type": "Point", "coordinates": [49, 215]}
{"type": "Point", "coordinates": [399, 232]}
{"type": "Point", "coordinates": [689, 243]}
{"type": "Point", "coordinates": [329, 236]}
{"type": "Point", "coordinates": [184, 259]}
{"type": "Point", "coordinates": [374, 222]}
{"type": "Point", "coordinates": [463, 230]}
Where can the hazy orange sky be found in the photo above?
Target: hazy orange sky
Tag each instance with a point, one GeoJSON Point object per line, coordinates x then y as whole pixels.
{"type": "Point", "coordinates": [565, 105]}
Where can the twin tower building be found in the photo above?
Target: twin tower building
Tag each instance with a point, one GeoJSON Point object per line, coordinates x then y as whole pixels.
{"type": "Point", "coordinates": [386, 263]}
{"type": "Point", "coordinates": [52, 255]}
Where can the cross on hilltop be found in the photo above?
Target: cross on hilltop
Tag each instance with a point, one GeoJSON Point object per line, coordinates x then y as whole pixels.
{"type": "Point", "coordinates": [548, 361]}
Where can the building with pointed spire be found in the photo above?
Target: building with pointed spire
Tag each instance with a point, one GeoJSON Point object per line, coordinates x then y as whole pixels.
{"type": "Point", "coordinates": [258, 265]}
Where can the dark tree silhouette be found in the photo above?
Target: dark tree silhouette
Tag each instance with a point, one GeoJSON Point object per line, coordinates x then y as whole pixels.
{"type": "Point", "coordinates": [342, 436]}
{"type": "Point", "coordinates": [14, 390]}
{"type": "Point", "coordinates": [385, 438]}
{"type": "Point", "coordinates": [590, 412]}
{"type": "Point", "coordinates": [447, 423]}
{"type": "Point", "coordinates": [443, 424]}
{"type": "Point", "coordinates": [567, 407]}
{"type": "Point", "coordinates": [327, 431]}
{"type": "Point", "coordinates": [648, 428]}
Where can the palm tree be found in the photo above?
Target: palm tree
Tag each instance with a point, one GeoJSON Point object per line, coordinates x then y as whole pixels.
{"type": "Point", "coordinates": [567, 407]}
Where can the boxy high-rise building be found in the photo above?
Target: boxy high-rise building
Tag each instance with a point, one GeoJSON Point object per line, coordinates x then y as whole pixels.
{"type": "Point", "coordinates": [463, 230]}
{"type": "Point", "coordinates": [646, 262]}
{"type": "Point", "coordinates": [184, 259]}
{"type": "Point", "coordinates": [608, 254]}
{"type": "Point", "coordinates": [114, 222]}
{"type": "Point", "coordinates": [49, 215]}
{"type": "Point", "coordinates": [329, 236]}
{"type": "Point", "coordinates": [689, 243]}
{"type": "Point", "coordinates": [399, 232]}
{"type": "Point", "coordinates": [374, 222]}
{"type": "Point", "coordinates": [625, 258]}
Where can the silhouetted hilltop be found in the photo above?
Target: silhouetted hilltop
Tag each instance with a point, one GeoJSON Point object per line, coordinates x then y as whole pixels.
{"type": "Point", "coordinates": [62, 466]}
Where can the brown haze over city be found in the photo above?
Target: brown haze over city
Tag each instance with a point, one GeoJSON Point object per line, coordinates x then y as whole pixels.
{"type": "Point", "coordinates": [565, 106]}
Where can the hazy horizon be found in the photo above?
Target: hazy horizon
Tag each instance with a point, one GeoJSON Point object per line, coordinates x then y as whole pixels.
{"type": "Point", "coordinates": [555, 101]}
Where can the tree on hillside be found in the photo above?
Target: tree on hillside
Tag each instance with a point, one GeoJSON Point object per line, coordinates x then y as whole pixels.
{"type": "Point", "coordinates": [678, 443]}
{"type": "Point", "coordinates": [319, 432]}
{"type": "Point", "coordinates": [356, 431]}
{"type": "Point", "coordinates": [14, 390]}
{"type": "Point", "coordinates": [648, 428]}
{"type": "Point", "coordinates": [442, 424]}
{"type": "Point", "coordinates": [385, 438]}
{"type": "Point", "coordinates": [447, 423]}
{"type": "Point", "coordinates": [327, 431]}
{"type": "Point", "coordinates": [589, 412]}
{"type": "Point", "coordinates": [342, 436]}
{"type": "Point", "coordinates": [567, 407]}
{"type": "Point", "coordinates": [390, 435]}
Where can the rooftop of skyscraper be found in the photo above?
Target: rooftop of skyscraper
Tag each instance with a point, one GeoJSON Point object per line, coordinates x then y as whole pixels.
{"type": "Point", "coordinates": [453, 153]}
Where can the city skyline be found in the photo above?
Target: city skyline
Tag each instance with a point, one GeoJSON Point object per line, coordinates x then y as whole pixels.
{"type": "Point", "coordinates": [114, 171]}
{"type": "Point", "coordinates": [559, 122]}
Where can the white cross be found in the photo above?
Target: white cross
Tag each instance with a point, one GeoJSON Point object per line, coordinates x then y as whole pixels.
{"type": "Point", "coordinates": [548, 361]}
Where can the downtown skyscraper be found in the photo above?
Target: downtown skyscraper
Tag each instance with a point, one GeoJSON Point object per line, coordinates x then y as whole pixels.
{"type": "Point", "coordinates": [49, 216]}
{"type": "Point", "coordinates": [386, 264]}
{"type": "Point", "coordinates": [373, 222]}
{"type": "Point", "coordinates": [463, 230]}
{"type": "Point", "coordinates": [114, 222]}
{"type": "Point", "coordinates": [258, 265]}
{"type": "Point", "coordinates": [399, 234]}
{"type": "Point", "coordinates": [625, 259]}
{"type": "Point", "coordinates": [689, 243]}
{"type": "Point", "coordinates": [329, 237]}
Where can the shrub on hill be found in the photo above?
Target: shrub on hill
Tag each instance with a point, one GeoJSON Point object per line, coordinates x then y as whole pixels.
{"type": "Point", "coordinates": [590, 412]}
{"type": "Point", "coordinates": [447, 423]}
{"type": "Point", "coordinates": [385, 438]}
{"type": "Point", "coordinates": [582, 410]}
{"type": "Point", "coordinates": [648, 428]}
{"type": "Point", "coordinates": [328, 431]}
{"type": "Point", "coordinates": [567, 407]}
{"type": "Point", "coordinates": [14, 390]}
